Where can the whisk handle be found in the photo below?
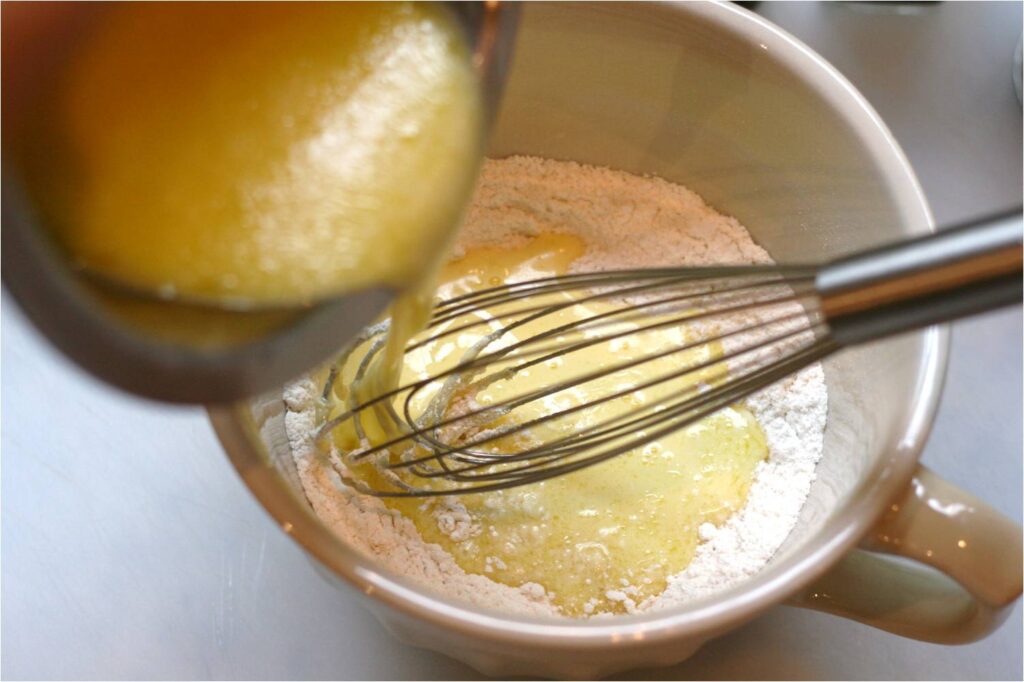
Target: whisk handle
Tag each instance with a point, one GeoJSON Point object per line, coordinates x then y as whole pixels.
{"type": "Point", "coordinates": [957, 272]}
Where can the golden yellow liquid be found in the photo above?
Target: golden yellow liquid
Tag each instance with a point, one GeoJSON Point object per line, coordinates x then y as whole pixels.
{"type": "Point", "coordinates": [611, 532]}
{"type": "Point", "coordinates": [269, 152]}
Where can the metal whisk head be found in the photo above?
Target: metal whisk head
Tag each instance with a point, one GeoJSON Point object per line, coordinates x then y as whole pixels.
{"type": "Point", "coordinates": [549, 376]}
{"type": "Point", "coordinates": [532, 380]}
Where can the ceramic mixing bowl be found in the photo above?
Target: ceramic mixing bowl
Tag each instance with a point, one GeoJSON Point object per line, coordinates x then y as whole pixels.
{"type": "Point", "coordinates": [715, 98]}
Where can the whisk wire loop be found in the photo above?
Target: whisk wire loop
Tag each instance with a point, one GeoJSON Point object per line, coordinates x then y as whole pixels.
{"type": "Point", "coordinates": [578, 439]}
{"type": "Point", "coordinates": [465, 368]}
{"type": "Point", "coordinates": [455, 445]}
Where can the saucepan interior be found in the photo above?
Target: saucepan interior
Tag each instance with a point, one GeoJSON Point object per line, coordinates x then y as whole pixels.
{"type": "Point", "coordinates": [711, 97]}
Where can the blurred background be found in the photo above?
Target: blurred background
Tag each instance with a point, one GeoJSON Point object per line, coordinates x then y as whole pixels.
{"type": "Point", "coordinates": [131, 550]}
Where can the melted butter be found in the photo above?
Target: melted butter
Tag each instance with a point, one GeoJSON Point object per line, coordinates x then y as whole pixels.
{"type": "Point", "coordinates": [271, 152]}
{"type": "Point", "coordinates": [479, 269]}
{"type": "Point", "coordinates": [611, 532]}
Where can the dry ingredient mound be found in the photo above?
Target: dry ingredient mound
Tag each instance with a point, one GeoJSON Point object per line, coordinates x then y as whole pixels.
{"type": "Point", "coordinates": [626, 221]}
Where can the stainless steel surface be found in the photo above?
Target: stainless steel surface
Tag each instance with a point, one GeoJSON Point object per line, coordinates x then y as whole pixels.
{"type": "Point", "coordinates": [109, 329]}
{"type": "Point", "coordinates": [940, 74]}
{"type": "Point", "coordinates": [130, 549]}
{"type": "Point", "coordinates": [964, 270]}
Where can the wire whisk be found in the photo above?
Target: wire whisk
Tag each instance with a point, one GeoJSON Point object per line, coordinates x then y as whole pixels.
{"type": "Point", "coordinates": [546, 377]}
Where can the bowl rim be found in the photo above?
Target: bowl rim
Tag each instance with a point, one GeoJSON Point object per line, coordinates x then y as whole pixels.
{"type": "Point", "coordinates": [707, 616]}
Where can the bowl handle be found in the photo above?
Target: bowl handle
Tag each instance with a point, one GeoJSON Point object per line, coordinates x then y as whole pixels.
{"type": "Point", "coordinates": [976, 550]}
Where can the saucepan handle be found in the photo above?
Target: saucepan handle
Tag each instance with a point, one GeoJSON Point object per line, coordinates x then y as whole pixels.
{"type": "Point", "coordinates": [965, 575]}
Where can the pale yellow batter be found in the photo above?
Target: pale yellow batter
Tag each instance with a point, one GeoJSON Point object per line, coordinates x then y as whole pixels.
{"type": "Point", "coordinates": [609, 533]}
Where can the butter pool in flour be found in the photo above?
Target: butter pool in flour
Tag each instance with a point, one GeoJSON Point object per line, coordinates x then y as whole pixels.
{"type": "Point", "coordinates": [684, 517]}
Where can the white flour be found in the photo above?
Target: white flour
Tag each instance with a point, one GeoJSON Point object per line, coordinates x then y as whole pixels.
{"type": "Point", "coordinates": [626, 221]}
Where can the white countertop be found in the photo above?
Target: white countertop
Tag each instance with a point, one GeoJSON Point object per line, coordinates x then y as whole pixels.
{"type": "Point", "coordinates": [130, 549]}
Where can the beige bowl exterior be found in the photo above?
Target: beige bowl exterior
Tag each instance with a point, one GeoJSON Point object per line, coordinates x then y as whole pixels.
{"type": "Point", "coordinates": [715, 98]}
